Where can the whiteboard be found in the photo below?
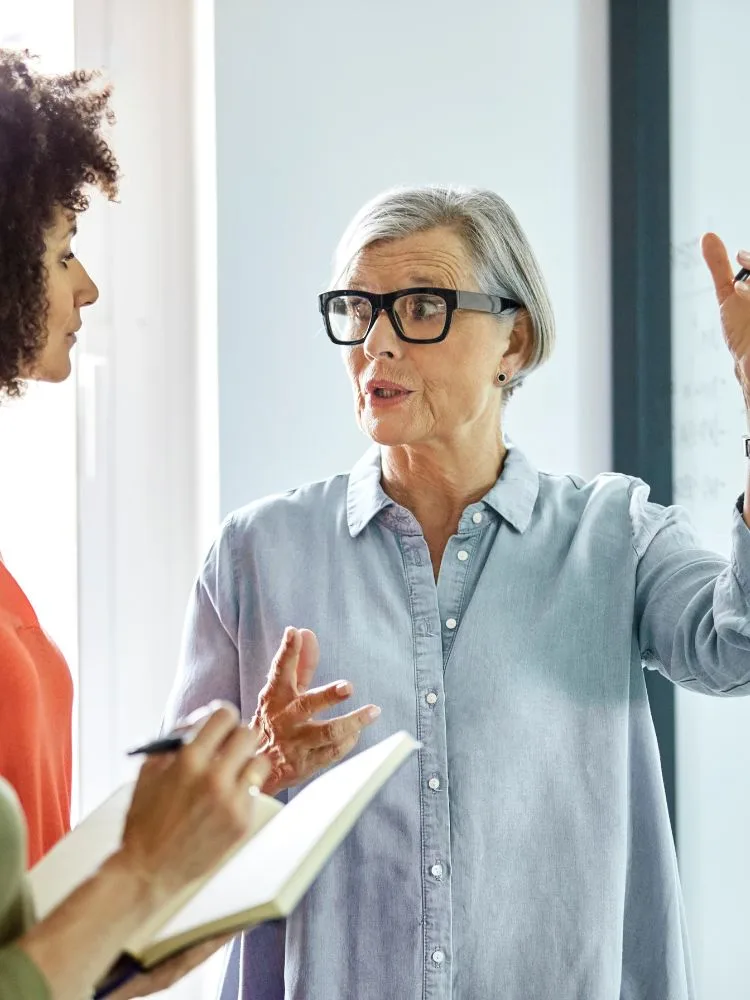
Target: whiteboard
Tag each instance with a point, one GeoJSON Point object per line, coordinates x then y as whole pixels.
{"type": "Point", "coordinates": [710, 55]}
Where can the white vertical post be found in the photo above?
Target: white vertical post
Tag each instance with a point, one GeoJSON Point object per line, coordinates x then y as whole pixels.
{"type": "Point", "coordinates": [138, 479]}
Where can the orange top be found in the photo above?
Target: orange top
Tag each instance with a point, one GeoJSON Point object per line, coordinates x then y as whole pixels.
{"type": "Point", "coordinates": [36, 705]}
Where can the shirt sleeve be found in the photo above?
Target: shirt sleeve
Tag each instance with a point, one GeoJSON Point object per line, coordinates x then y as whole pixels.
{"type": "Point", "coordinates": [692, 607]}
{"type": "Point", "coordinates": [209, 662]}
{"type": "Point", "coordinates": [20, 978]}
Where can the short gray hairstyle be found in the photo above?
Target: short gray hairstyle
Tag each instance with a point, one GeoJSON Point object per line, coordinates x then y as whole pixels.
{"type": "Point", "coordinates": [499, 248]}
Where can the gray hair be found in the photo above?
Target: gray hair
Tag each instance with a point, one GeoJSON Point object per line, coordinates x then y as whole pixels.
{"type": "Point", "coordinates": [501, 253]}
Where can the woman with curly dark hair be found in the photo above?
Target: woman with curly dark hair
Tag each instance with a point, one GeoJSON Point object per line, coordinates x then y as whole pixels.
{"type": "Point", "coordinates": [51, 149]}
{"type": "Point", "coordinates": [180, 824]}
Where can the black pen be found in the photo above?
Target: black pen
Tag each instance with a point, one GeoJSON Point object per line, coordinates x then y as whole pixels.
{"type": "Point", "coordinates": [163, 745]}
{"type": "Point", "coordinates": [742, 275]}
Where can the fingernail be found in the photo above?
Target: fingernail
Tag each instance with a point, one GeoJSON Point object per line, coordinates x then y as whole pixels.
{"type": "Point", "coordinates": [343, 687]}
{"type": "Point", "coordinates": [744, 254]}
{"type": "Point", "coordinates": [373, 713]}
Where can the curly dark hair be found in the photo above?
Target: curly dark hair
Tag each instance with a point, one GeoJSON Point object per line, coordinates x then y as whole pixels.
{"type": "Point", "coordinates": [51, 149]}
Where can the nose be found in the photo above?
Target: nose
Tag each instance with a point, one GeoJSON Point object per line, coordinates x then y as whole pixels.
{"type": "Point", "coordinates": [86, 291]}
{"type": "Point", "coordinates": [382, 340]}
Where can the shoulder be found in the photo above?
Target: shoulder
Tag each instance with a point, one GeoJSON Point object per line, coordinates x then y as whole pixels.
{"type": "Point", "coordinates": [617, 501]}
{"type": "Point", "coordinates": [11, 817]}
{"type": "Point", "coordinates": [608, 489]}
{"type": "Point", "coordinates": [284, 518]}
{"type": "Point", "coordinates": [12, 845]}
{"type": "Point", "coordinates": [298, 505]}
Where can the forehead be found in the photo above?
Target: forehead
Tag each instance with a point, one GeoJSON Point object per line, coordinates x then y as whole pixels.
{"type": "Point", "coordinates": [436, 257]}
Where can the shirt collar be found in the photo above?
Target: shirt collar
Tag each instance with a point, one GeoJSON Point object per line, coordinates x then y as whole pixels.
{"type": "Point", "coordinates": [513, 496]}
{"type": "Point", "coordinates": [515, 493]}
{"type": "Point", "coordinates": [365, 496]}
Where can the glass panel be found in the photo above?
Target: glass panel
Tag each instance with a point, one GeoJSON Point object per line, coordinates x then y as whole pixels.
{"type": "Point", "coordinates": [710, 146]}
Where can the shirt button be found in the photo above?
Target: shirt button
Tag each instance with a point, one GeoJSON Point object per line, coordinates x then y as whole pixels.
{"type": "Point", "coordinates": [451, 623]}
{"type": "Point", "coordinates": [438, 957]}
{"type": "Point", "coordinates": [431, 698]}
{"type": "Point", "coordinates": [436, 871]}
{"type": "Point", "coordinates": [434, 784]}
{"type": "Point", "coordinates": [463, 555]}
{"type": "Point", "coordinates": [476, 518]}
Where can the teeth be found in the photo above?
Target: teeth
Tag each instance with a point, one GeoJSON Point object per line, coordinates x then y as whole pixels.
{"type": "Point", "coordinates": [386, 393]}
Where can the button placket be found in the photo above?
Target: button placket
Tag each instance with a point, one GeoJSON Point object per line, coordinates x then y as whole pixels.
{"type": "Point", "coordinates": [433, 763]}
{"type": "Point", "coordinates": [451, 585]}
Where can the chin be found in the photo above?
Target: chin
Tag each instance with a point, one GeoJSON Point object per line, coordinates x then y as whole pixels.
{"type": "Point", "coordinates": [388, 433]}
{"type": "Point", "coordinates": [55, 373]}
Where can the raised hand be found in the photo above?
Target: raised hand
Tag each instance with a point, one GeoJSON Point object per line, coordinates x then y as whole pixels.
{"type": "Point", "coordinates": [734, 305]}
{"type": "Point", "coordinates": [290, 739]}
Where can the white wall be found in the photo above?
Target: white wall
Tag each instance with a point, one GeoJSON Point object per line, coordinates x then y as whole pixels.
{"type": "Point", "coordinates": [322, 105]}
{"type": "Point", "coordinates": [710, 151]}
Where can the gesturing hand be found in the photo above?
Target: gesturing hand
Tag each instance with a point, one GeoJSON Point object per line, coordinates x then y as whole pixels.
{"type": "Point", "coordinates": [295, 745]}
{"type": "Point", "coordinates": [734, 305]}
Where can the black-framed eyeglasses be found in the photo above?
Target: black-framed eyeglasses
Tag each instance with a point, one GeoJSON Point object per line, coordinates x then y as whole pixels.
{"type": "Point", "coordinates": [418, 315]}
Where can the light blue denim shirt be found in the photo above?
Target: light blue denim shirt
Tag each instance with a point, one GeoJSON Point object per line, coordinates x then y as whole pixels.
{"type": "Point", "coordinates": [525, 853]}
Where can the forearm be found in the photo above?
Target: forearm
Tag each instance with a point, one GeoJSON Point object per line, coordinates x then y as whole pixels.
{"type": "Point", "coordinates": [76, 945]}
{"type": "Point", "coordinates": [692, 605]}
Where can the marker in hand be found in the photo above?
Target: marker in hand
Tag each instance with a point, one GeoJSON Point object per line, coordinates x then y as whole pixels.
{"type": "Point", "coordinates": [166, 744]}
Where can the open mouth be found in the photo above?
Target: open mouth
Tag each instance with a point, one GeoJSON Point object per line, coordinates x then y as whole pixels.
{"type": "Point", "coordinates": [389, 393]}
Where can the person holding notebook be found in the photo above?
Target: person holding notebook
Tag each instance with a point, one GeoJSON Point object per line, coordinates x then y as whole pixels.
{"type": "Point", "coordinates": [190, 808]}
{"type": "Point", "coordinates": [505, 612]}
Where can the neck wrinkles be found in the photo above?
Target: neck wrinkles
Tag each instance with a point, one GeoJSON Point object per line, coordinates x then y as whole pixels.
{"type": "Point", "coordinates": [436, 481]}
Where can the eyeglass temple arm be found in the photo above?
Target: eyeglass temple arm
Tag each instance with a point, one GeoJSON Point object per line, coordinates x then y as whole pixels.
{"type": "Point", "coordinates": [479, 302]}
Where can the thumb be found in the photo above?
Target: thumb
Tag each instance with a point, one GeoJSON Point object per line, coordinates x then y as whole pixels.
{"type": "Point", "coordinates": [282, 677]}
{"type": "Point", "coordinates": [308, 660]}
{"type": "Point", "coordinates": [716, 257]}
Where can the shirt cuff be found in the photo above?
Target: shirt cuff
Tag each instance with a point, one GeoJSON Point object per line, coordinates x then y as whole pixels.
{"type": "Point", "coordinates": [741, 546]}
{"type": "Point", "coordinates": [20, 977]}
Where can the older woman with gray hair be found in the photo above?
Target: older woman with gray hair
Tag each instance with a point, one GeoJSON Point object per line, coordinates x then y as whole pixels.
{"type": "Point", "coordinates": [501, 613]}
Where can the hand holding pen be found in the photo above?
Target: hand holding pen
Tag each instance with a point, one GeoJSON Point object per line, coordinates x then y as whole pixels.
{"type": "Point", "coordinates": [183, 734]}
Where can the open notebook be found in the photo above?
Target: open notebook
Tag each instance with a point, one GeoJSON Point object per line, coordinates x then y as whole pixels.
{"type": "Point", "coordinates": [263, 880]}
